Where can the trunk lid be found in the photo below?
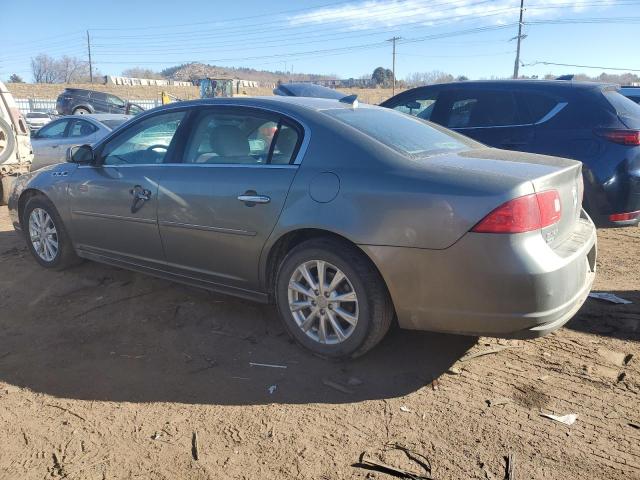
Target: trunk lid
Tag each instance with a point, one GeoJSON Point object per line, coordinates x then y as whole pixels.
{"type": "Point", "coordinates": [544, 173]}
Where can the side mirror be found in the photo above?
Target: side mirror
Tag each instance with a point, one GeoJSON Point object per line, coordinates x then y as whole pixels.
{"type": "Point", "coordinates": [81, 154]}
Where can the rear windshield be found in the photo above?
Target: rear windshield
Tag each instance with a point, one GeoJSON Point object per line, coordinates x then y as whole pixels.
{"type": "Point", "coordinates": [112, 124]}
{"type": "Point", "coordinates": [625, 108]}
{"type": "Point", "coordinates": [407, 134]}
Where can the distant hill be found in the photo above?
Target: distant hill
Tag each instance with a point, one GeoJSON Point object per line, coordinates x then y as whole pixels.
{"type": "Point", "coordinates": [195, 71]}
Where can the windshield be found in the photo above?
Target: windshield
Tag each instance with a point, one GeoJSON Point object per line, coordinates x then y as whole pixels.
{"type": "Point", "coordinates": [407, 134]}
{"type": "Point", "coordinates": [112, 124]}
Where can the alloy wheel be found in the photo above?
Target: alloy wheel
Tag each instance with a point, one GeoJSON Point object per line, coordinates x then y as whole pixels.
{"type": "Point", "coordinates": [323, 302]}
{"type": "Point", "coordinates": [43, 234]}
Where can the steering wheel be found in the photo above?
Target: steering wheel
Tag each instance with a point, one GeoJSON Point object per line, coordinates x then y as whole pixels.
{"type": "Point", "coordinates": [152, 149]}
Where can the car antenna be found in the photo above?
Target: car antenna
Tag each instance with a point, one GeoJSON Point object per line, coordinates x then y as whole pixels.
{"type": "Point", "coordinates": [351, 100]}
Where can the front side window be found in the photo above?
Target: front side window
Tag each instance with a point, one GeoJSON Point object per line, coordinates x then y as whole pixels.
{"type": "Point", "coordinates": [81, 128]}
{"type": "Point", "coordinates": [239, 137]}
{"type": "Point", "coordinates": [145, 142]}
{"type": "Point", "coordinates": [113, 100]}
{"type": "Point", "coordinates": [420, 105]}
{"type": "Point", "coordinates": [53, 130]}
{"type": "Point", "coordinates": [410, 136]}
{"type": "Point", "coordinates": [472, 109]}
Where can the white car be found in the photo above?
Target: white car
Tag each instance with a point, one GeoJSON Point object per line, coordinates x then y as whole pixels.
{"type": "Point", "coordinates": [37, 120]}
{"type": "Point", "coordinates": [51, 142]}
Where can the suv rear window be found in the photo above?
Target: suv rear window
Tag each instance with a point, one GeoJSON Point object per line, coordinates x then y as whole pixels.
{"type": "Point", "coordinates": [625, 108]}
{"type": "Point", "coordinates": [404, 133]}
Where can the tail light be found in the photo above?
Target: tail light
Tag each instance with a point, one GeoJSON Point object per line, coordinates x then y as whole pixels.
{"type": "Point", "coordinates": [624, 217]}
{"type": "Point", "coordinates": [623, 137]}
{"type": "Point", "coordinates": [523, 214]}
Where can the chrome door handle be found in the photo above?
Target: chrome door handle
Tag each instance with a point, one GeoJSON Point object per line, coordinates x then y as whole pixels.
{"type": "Point", "coordinates": [254, 198]}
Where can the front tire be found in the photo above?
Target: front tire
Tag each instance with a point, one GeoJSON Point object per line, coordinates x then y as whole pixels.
{"type": "Point", "coordinates": [332, 300]}
{"type": "Point", "coordinates": [46, 236]}
{"type": "Point", "coordinates": [81, 111]}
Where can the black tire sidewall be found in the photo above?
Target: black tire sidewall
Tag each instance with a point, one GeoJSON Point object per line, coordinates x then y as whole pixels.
{"type": "Point", "coordinates": [350, 263]}
{"type": "Point", "coordinates": [46, 205]}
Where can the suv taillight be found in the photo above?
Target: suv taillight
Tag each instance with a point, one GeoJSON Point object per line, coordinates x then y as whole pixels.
{"type": "Point", "coordinates": [621, 136]}
{"type": "Point", "coordinates": [523, 214]}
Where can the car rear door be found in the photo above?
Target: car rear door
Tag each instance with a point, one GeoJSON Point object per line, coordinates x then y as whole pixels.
{"type": "Point", "coordinates": [492, 117]}
{"type": "Point", "coordinates": [114, 202]}
{"type": "Point", "coordinates": [218, 206]}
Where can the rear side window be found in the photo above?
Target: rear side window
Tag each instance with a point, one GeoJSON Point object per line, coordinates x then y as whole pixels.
{"type": "Point", "coordinates": [406, 134]}
{"type": "Point", "coordinates": [472, 109]}
{"type": "Point", "coordinates": [624, 107]}
{"type": "Point", "coordinates": [536, 105]}
{"type": "Point", "coordinates": [80, 128]}
{"type": "Point", "coordinates": [240, 136]}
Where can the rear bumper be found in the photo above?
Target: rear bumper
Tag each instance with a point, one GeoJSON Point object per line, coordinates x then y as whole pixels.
{"type": "Point", "coordinates": [511, 286]}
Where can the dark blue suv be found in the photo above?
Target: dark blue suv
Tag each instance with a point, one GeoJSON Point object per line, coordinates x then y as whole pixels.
{"type": "Point", "coordinates": [589, 122]}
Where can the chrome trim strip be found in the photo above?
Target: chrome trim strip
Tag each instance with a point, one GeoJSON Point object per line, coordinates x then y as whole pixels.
{"type": "Point", "coordinates": [189, 226]}
{"type": "Point", "coordinates": [199, 165]}
{"type": "Point", "coordinates": [552, 113]}
{"type": "Point", "coordinates": [113, 217]}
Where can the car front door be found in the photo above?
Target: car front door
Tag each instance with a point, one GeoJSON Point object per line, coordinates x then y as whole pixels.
{"type": "Point", "coordinates": [114, 201]}
{"type": "Point", "coordinates": [492, 117]}
{"type": "Point", "coordinates": [47, 143]}
{"type": "Point", "coordinates": [217, 207]}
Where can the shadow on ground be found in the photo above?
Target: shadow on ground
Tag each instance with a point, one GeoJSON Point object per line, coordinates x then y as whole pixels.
{"type": "Point", "coordinates": [100, 333]}
{"type": "Point", "coordinates": [608, 319]}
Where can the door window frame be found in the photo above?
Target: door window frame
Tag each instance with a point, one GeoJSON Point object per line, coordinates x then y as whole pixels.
{"type": "Point", "coordinates": [178, 142]}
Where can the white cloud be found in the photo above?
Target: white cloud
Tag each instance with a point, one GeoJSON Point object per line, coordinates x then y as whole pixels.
{"type": "Point", "coordinates": [395, 13]}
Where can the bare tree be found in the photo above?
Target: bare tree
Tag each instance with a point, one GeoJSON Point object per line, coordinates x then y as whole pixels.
{"type": "Point", "coordinates": [43, 69]}
{"type": "Point", "coordinates": [70, 69]}
{"type": "Point", "coordinates": [417, 79]}
{"type": "Point", "coordinates": [140, 72]}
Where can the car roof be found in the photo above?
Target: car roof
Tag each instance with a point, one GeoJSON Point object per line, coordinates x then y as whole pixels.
{"type": "Point", "coordinates": [308, 103]}
{"type": "Point", "coordinates": [551, 84]}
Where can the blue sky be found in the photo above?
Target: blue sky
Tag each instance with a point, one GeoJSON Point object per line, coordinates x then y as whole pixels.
{"type": "Point", "coordinates": [346, 39]}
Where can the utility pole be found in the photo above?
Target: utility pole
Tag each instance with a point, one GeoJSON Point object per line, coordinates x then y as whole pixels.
{"type": "Point", "coordinates": [393, 40]}
{"type": "Point", "coordinates": [90, 64]}
{"type": "Point", "coordinates": [516, 67]}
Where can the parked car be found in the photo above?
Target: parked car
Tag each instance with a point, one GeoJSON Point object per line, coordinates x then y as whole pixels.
{"type": "Point", "coordinates": [344, 216]}
{"type": "Point", "coordinates": [15, 145]}
{"type": "Point", "coordinates": [589, 122]}
{"type": "Point", "coordinates": [77, 101]}
{"type": "Point", "coordinates": [632, 93]}
{"type": "Point", "coordinates": [36, 120]}
{"type": "Point", "coordinates": [51, 142]}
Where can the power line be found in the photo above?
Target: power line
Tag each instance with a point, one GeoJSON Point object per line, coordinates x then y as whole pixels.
{"type": "Point", "coordinates": [581, 66]}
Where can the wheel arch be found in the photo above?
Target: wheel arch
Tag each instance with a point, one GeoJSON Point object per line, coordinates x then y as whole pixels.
{"type": "Point", "coordinates": [291, 239]}
{"type": "Point", "coordinates": [84, 106]}
{"type": "Point", "coordinates": [25, 196]}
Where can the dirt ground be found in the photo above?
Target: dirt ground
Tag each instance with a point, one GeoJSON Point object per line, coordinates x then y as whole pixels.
{"type": "Point", "coordinates": [107, 374]}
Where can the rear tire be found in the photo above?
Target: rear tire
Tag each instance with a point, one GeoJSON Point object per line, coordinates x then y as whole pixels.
{"type": "Point", "coordinates": [7, 140]}
{"type": "Point", "coordinates": [81, 111]}
{"type": "Point", "coordinates": [46, 236]}
{"type": "Point", "coordinates": [356, 312]}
